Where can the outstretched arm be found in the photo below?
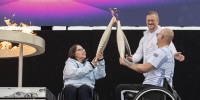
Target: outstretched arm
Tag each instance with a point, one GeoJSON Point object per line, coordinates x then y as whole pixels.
{"type": "Point", "coordinates": [141, 68]}
{"type": "Point", "coordinates": [178, 56]}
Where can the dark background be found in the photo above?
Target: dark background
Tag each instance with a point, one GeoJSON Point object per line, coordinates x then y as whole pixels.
{"type": "Point", "coordinates": [45, 70]}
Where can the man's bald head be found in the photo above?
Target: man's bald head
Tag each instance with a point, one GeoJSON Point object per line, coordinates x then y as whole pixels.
{"type": "Point", "coordinates": [168, 34]}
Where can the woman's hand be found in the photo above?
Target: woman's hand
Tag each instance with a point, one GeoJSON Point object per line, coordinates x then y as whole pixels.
{"type": "Point", "coordinates": [99, 56]}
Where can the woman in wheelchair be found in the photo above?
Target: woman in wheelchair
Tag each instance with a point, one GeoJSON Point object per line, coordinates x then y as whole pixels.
{"type": "Point", "coordinates": [159, 66]}
{"type": "Point", "coordinates": [79, 75]}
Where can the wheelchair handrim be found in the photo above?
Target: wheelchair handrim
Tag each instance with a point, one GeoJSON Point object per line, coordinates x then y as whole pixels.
{"type": "Point", "coordinates": [161, 90]}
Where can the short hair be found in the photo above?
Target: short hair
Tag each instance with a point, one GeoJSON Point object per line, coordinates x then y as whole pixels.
{"type": "Point", "coordinates": [153, 13]}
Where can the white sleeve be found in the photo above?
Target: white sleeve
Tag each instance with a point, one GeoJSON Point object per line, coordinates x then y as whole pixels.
{"type": "Point", "coordinates": [137, 56]}
{"type": "Point", "coordinates": [172, 47]}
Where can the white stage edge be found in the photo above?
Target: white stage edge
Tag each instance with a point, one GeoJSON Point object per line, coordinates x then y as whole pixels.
{"type": "Point", "coordinates": [36, 28]}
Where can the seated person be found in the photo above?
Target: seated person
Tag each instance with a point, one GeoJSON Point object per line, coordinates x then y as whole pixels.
{"type": "Point", "coordinates": [79, 75]}
{"type": "Point", "coordinates": [159, 66]}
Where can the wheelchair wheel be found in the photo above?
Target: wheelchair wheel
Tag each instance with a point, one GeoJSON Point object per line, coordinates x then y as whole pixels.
{"type": "Point", "coordinates": [154, 94]}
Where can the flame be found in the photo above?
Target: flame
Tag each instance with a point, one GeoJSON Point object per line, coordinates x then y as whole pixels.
{"type": "Point", "coordinates": [8, 23]}
{"type": "Point", "coordinates": [23, 28]}
{"type": "Point", "coordinates": [5, 45]}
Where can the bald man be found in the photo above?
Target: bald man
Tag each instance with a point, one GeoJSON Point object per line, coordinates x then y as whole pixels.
{"type": "Point", "coordinates": [159, 66]}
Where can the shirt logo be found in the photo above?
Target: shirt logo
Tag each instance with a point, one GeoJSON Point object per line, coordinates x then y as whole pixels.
{"type": "Point", "coordinates": [155, 55]}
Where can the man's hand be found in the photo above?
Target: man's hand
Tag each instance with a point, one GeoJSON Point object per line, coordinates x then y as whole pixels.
{"type": "Point", "coordinates": [178, 56]}
{"type": "Point", "coordinates": [124, 61]}
{"type": "Point", "coordinates": [129, 58]}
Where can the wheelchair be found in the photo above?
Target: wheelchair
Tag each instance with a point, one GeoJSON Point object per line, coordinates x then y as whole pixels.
{"type": "Point", "coordinates": [152, 93]}
{"type": "Point", "coordinates": [61, 96]}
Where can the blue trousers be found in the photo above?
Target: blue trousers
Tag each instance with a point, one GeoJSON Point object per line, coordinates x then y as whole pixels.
{"type": "Point", "coordinates": [84, 92]}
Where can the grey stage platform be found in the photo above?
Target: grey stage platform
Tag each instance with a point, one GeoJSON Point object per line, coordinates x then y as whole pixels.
{"type": "Point", "coordinates": [25, 93]}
